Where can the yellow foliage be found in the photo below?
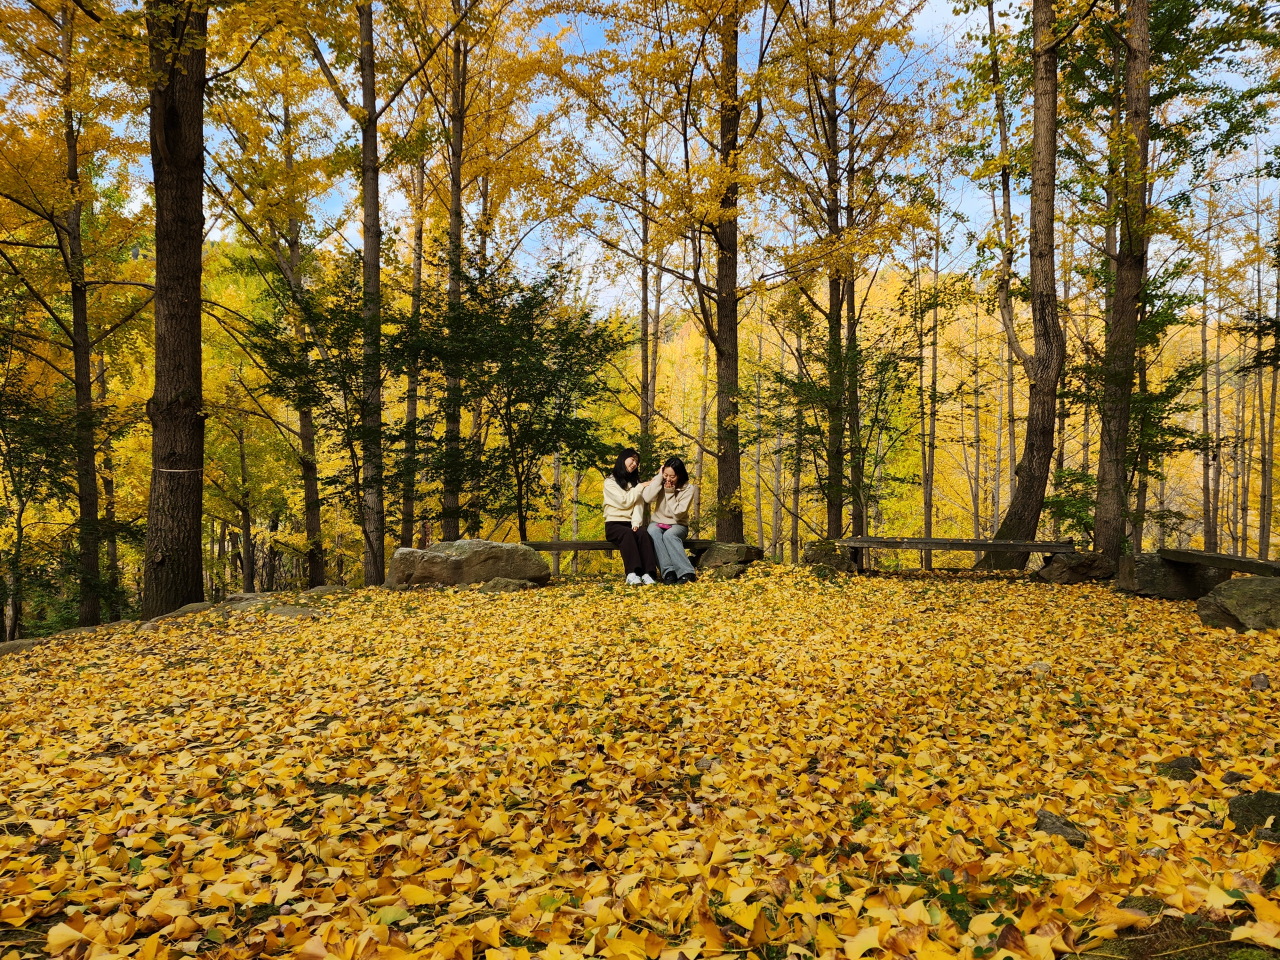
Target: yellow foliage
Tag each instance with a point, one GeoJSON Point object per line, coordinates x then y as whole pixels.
{"type": "Point", "coordinates": [609, 772]}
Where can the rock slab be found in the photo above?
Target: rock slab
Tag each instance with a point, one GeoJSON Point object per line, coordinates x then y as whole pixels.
{"type": "Point", "coordinates": [728, 554]}
{"type": "Point", "coordinates": [1150, 575]}
{"type": "Point", "coordinates": [1058, 826]}
{"type": "Point", "coordinates": [1250, 811]}
{"type": "Point", "coordinates": [1245, 603]}
{"type": "Point", "coordinates": [197, 607]}
{"type": "Point", "coordinates": [1070, 568]}
{"type": "Point", "coordinates": [828, 553]}
{"type": "Point", "coordinates": [464, 562]}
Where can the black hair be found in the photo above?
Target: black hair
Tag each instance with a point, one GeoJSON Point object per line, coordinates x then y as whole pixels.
{"type": "Point", "coordinates": [626, 480]}
{"type": "Point", "coordinates": [682, 474]}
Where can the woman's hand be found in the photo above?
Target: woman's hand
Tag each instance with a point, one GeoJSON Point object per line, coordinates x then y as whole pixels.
{"type": "Point", "coordinates": [635, 529]}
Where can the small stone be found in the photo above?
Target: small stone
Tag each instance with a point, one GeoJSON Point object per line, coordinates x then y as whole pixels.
{"type": "Point", "coordinates": [149, 627]}
{"type": "Point", "coordinates": [507, 585]}
{"type": "Point", "coordinates": [1251, 811]}
{"type": "Point", "coordinates": [1259, 681]}
{"type": "Point", "coordinates": [1156, 852]}
{"type": "Point", "coordinates": [1231, 777]}
{"type": "Point", "coordinates": [1057, 826]}
{"type": "Point", "coordinates": [728, 571]}
{"type": "Point", "coordinates": [1040, 668]}
{"type": "Point", "coordinates": [706, 763]}
{"type": "Point", "coordinates": [1180, 768]}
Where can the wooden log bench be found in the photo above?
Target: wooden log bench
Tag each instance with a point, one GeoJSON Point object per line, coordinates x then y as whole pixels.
{"type": "Point", "coordinates": [695, 547]}
{"type": "Point", "coordinates": [938, 544]}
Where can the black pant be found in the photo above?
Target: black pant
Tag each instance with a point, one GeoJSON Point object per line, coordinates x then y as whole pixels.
{"type": "Point", "coordinates": [638, 555]}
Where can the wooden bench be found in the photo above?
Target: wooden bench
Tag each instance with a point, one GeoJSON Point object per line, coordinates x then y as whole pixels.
{"type": "Point", "coordinates": [1222, 561]}
{"type": "Point", "coordinates": [695, 547]}
{"type": "Point", "coordinates": [939, 544]}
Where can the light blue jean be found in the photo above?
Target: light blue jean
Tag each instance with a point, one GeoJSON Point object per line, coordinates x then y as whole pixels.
{"type": "Point", "coordinates": [669, 545]}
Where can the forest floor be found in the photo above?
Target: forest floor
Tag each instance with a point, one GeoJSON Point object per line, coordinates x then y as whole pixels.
{"type": "Point", "coordinates": [774, 766]}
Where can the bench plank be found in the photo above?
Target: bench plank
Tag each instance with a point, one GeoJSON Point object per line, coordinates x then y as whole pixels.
{"type": "Point", "coordinates": [568, 546]}
{"type": "Point", "coordinates": [1223, 561]}
{"type": "Point", "coordinates": [950, 543]}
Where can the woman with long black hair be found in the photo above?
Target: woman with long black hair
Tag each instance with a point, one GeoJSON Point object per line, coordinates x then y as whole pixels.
{"type": "Point", "coordinates": [670, 494]}
{"type": "Point", "coordinates": [624, 519]}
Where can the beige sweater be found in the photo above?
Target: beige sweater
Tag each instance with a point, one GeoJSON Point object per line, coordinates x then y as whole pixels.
{"type": "Point", "coordinates": [622, 506]}
{"type": "Point", "coordinates": [668, 507]}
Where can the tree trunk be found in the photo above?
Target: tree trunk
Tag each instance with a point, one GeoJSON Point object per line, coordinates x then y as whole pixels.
{"type": "Point", "coordinates": [699, 457]}
{"type": "Point", "coordinates": [1141, 469]}
{"type": "Point", "coordinates": [1208, 454]}
{"type": "Point", "coordinates": [246, 521]}
{"type": "Point", "coordinates": [273, 555]}
{"type": "Point", "coordinates": [1121, 339]}
{"type": "Point", "coordinates": [853, 414]}
{"type": "Point", "coordinates": [577, 489]}
{"type": "Point", "coordinates": [729, 525]}
{"type": "Point", "coordinates": [759, 432]}
{"type": "Point", "coordinates": [409, 488]}
{"type": "Point", "coordinates": [1044, 367]}
{"type": "Point", "coordinates": [13, 578]}
{"type": "Point", "coordinates": [557, 506]}
{"type": "Point", "coordinates": [797, 461]}
{"type": "Point", "coordinates": [451, 496]}
{"type": "Point", "coordinates": [373, 515]}
{"type": "Point", "coordinates": [172, 558]}
{"type": "Point", "coordinates": [90, 613]}
{"type": "Point", "coordinates": [109, 505]}
{"type": "Point", "coordinates": [645, 412]}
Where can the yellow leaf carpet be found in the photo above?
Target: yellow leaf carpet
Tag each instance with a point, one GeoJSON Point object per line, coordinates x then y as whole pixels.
{"type": "Point", "coordinates": [774, 766]}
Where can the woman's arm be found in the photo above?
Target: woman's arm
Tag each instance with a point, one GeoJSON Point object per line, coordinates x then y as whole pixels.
{"type": "Point", "coordinates": [683, 499]}
{"type": "Point", "coordinates": [651, 489]}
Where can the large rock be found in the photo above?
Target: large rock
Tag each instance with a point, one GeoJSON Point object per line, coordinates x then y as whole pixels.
{"type": "Point", "coordinates": [1245, 603]}
{"type": "Point", "coordinates": [467, 561]}
{"type": "Point", "coordinates": [1251, 811]}
{"type": "Point", "coordinates": [729, 554]}
{"type": "Point", "coordinates": [1076, 568]}
{"type": "Point", "coordinates": [198, 607]}
{"type": "Point", "coordinates": [1149, 575]}
{"type": "Point", "coordinates": [828, 553]}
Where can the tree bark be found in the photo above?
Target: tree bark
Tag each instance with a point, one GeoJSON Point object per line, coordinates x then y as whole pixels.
{"type": "Point", "coordinates": [172, 559]}
{"type": "Point", "coordinates": [1044, 367]}
{"type": "Point", "coordinates": [729, 517]}
{"type": "Point", "coordinates": [90, 612]}
{"type": "Point", "coordinates": [373, 507]}
{"type": "Point", "coordinates": [247, 563]}
{"type": "Point", "coordinates": [700, 457]}
{"type": "Point", "coordinates": [451, 495]}
{"type": "Point", "coordinates": [409, 489]}
{"type": "Point", "coordinates": [1121, 339]}
{"type": "Point", "coordinates": [108, 528]}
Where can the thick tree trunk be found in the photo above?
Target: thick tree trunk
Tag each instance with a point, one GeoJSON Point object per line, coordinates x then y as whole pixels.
{"type": "Point", "coordinates": [645, 412]}
{"type": "Point", "coordinates": [835, 408]}
{"type": "Point", "coordinates": [373, 512]}
{"type": "Point", "coordinates": [1044, 367]}
{"type": "Point", "coordinates": [729, 525]}
{"type": "Point", "coordinates": [1121, 340]}
{"type": "Point", "coordinates": [172, 559]}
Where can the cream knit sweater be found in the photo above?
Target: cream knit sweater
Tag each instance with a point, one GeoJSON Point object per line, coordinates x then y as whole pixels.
{"type": "Point", "coordinates": [622, 506]}
{"type": "Point", "coordinates": [668, 507]}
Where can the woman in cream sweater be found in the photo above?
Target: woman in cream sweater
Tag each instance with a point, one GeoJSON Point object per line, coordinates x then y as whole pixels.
{"type": "Point", "coordinates": [624, 519]}
{"type": "Point", "coordinates": [671, 495]}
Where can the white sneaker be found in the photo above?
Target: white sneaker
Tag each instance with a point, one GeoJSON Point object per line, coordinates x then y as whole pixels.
{"type": "Point", "coordinates": [647, 580]}
{"type": "Point", "coordinates": [633, 579]}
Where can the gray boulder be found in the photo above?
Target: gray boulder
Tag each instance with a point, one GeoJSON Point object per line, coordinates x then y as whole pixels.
{"type": "Point", "coordinates": [292, 612]}
{"type": "Point", "coordinates": [1259, 681]}
{"type": "Point", "coordinates": [1250, 811]}
{"type": "Point", "coordinates": [1149, 575]}
{"type": "Point", "coordinates": [729, 554]}
{"type": "Point", "coordinates": [1180, 768]}
{"type": "Point", "coordinates": [828, 553]}
{"type": "Point", "coordinates": [1069, 568]}
{"type": "Point", "coordinates": [326, 590]}
{"type": "Point", "coordinates": [198, 607]}
{"type": "Point", "coordinates": [507, 585]}
{"type": "Point", "coordinates": [1245, 603]}
{"type": "Point", "coordinates": [1058, 826]}
{"type": "Point", "coordinates": [465, 562]}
